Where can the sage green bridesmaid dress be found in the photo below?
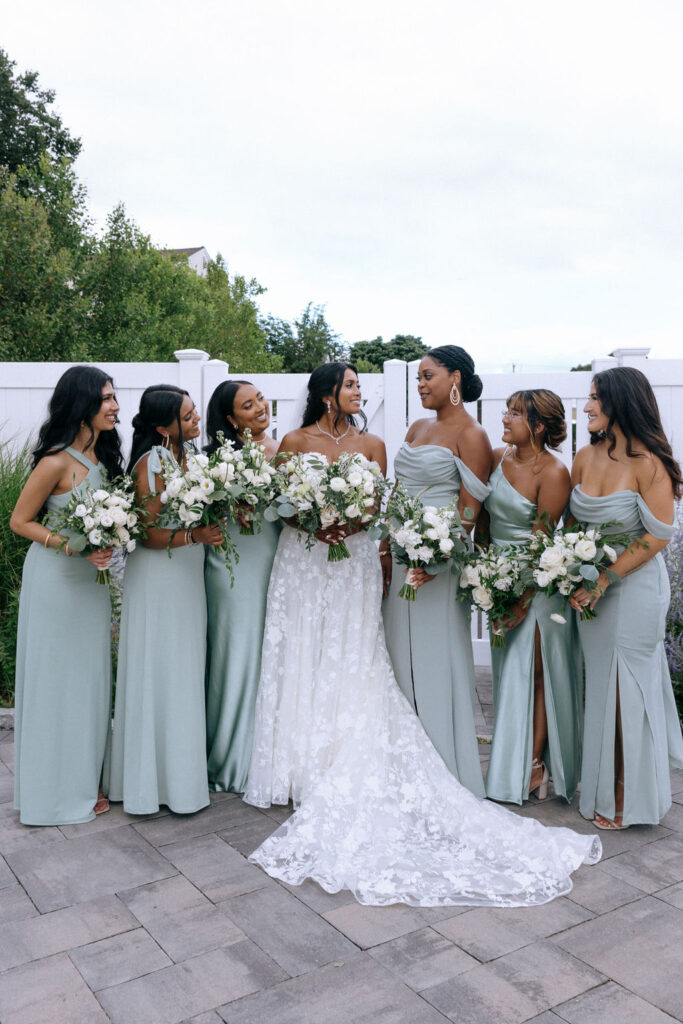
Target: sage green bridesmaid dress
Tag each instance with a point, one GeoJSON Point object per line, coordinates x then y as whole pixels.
{"type": "Point", "coordinates": [236, 617]}
{"type": "Point", "coordinates": [429, 640]}
{"type": "Point", "coordinates": [512, 517]}
{"type": "Point", "coordinates": [624, 646]}
{"type": "Point", "coordinates": [63, 679]}
{"type": "Point", "coordinates": [159, 745]}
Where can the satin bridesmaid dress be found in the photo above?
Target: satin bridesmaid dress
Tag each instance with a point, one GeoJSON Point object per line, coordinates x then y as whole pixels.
{"type": "Point", "coordinates": [429, 640]}
{"type": "Point", "coordinates": [236, 617]}
{"type": "Point", "coordinates": [63, 679]}
{"type": "Point", "coordinates": [624, 646]}
{"type": "Point", "coordinates": [159, 745]}
{"type": "Point", "coordinates": [511, 520]}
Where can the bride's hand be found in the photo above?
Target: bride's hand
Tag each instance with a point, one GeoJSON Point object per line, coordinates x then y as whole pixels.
{"type": "Point", "coordinates": [331, 534]}
{"type": "Point", "coordinates": [419, 577]}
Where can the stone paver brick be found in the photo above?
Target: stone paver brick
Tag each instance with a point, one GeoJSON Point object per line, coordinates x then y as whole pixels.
{"type": "Point", "coordinates": [75, 870]}
{"type": "Point", "coordinates": [294, 936]}
{"type": "Point", "coordinates": [610, 1004]}
{"type": "Point", "coordinates": [121, 958]}
{"type": "Point", "coordinates": [513, 988]}
{"type": "Point", "coordinates": [357, 990]}
{"type": "Point", "coordinates": [61, 930]}
{"type": "Point", "coordinates": [423, 959]}
{"type": "Point", "coordinates": [246, 835]}
{"type": "Point", "coordinates": [650, 867]}
{"type": "Point", "coordinates": [316, 898]}
{"type": "Point", "coordinates": [599, 891]}
{"type": "Point", "coordinates": [640, 946]}
{"type": "Point", "coordinates": [180, 918]}
{"type": "Point", "coordinates": [490, 932]}
{"type": "Point", "coordinates": [196, 986]}
{"type": "Point", "coordinates": [15, 904]}
{"type": "Point", "coordinates": [368, 926]}
{"type": "Point", "coordinates": [672, 895]}
{"type": "Point", "coordinates": [215, 867]}
{"type": "Point", "coordinates": [50, 991]}
{"type": "Point", "coordinates": [6, 876]}
{"type": "Point", "coordinates": [226, 811]}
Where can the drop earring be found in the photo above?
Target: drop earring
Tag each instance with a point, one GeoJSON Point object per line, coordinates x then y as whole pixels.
{"type": "Point", "coordinates": [166, 443]}
{"type": "Point", "coordinates": [454, 395]}
{"type": "Point", "coordinates": [328, 403]}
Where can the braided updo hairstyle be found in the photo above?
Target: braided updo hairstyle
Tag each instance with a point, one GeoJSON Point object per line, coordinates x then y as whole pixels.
{"type": "Point", "coordinates": [540, 406]}
{"type": "Point", "coordinates": [455, 358]}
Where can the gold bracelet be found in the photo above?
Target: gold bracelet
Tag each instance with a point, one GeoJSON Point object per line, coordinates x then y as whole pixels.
{"type": "Point", "coordinates": [45, 543]}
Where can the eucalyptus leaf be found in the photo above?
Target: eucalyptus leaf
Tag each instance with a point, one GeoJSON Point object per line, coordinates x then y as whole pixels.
{"type": "Point", "coordinates": [612, 576]}
{"type": "Point", "coordinates": [271, 514]}
{"type": "Point", "coordinates": [286, 510]}
{"type": "Point", "coordinates": [589, 572]}
{"type": "Point", "coordinates": [77, 542]}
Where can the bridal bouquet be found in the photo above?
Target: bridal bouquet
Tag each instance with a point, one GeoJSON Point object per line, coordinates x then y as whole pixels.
{"type": "Point", "coordinates": [98, 519]}
{"type": "Point", "coordinates": [318, 495]}
{"type": "Point", "coordinates": [248, 478]}
{"type": "Point", "coordinates": [493, 580]}
{"type": "Point", "coordinates": [424, 537]}
{"type": "Point", "coordinates": [570, 558]}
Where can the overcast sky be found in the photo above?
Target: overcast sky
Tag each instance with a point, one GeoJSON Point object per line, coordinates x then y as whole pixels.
{"type": "Point", "coordinates": [504, 175]}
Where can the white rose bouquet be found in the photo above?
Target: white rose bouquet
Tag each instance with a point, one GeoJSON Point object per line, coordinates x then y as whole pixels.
{"type": "Point", "coordinates": [318, 496]}
{"type": "Point", "coordinates": [248, 478]}
{"type": "Point", "coordinates": [572, 557]}
{"type": "Point", "coordinates": [424, 536]}
{"type": "Point", "coordinates": [94, 520]}
{"type": "Point", "coordinates": [493, 580]}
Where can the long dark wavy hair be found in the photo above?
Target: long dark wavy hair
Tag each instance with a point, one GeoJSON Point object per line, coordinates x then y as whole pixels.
{"type": "Point", "coordinates": [75, 401]}
{"type": "Point", "coordinates": [455, 358]}
{"type": "Point", "coordinates": [627, 399]}
{"type": "Point", "coordinates": [327, 380]}
{"type": "Point", "coordinates": [221, 405]}
{"type": "Point", "coordinates": [540, 406]}
{"type": "Point", "coordinates": [159, 407]}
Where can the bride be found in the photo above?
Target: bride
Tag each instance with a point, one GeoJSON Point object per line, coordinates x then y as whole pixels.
{"type": "Point", "coordinates": [378, 813]}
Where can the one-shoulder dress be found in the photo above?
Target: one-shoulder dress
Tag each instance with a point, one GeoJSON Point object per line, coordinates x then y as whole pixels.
{"type": "Point", "coordinates": [624, 646]}
{"type": "Point", "coordinates": [235, 633]}
{"type": "Point", "coordinates": [63, 679]}
{"type": "Point", "coordinates": [159, 745]}
{"type": "Point", "coordinates": [429, 640]}
{"type": "Point", "coordinates": [512, 517]}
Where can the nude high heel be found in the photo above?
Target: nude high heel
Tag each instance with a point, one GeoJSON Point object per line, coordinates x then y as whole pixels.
{"type": "Point", "coordinates": [541, 790]}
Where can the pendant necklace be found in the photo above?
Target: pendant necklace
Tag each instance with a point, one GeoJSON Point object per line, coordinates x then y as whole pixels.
{"type": "Point", "coordinates": [331, 436]}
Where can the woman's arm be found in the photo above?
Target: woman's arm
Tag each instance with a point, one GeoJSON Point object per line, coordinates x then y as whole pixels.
{"type": "Point", "coordinates": [157, 538]}
{"type": "Point", "coordinates": [474, 448]}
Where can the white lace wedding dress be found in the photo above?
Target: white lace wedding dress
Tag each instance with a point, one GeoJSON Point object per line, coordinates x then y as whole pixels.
{"type": "Point", "coordinates": [378, 811]}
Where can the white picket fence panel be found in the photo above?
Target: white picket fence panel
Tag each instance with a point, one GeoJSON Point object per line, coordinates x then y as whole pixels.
{"type": "Point", "coordinates": [391, 402]}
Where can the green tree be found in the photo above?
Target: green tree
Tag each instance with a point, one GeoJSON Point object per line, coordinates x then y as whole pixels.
{"type": "Point", "coordinates": [373, 354]}
{"type": "Point", "coordinates": [28, 125]}
{"type": "Point", "coordinates": [306, 343]}
{"type": "Point", "coordinates": [235, 332]}
{"type": "Point", "coordinates": [38, 304]}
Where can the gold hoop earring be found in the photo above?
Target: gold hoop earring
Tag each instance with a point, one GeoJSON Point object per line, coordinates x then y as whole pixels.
{"type": "Point", "coordinates": [454, 398]}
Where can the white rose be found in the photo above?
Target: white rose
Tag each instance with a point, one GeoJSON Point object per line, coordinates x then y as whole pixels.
{"type": "Point", "coordinates": [89, 522]}
{"type": "Point", "coordinates": [201, 460]}
{"type": "Point", "coordinates": [432, 534]}
{"type": "Point", "coordinates": [130, 546]}
{"type": "Point", "coordinates": [542, 577]}
{"type": "Point", "coordinates": [219, 472]}
{"type": "Point", "coordinates": [565, 587]}
{"type": "Point", "coordinates": [163, 497]}
{"type": "Point", "coordinates": [551, 558]}
{"type": "Point", "coordinates": [338, 484]}
{"type": "Point", "coordinates": [355, 478]}
{"type": "Point", "coordinates": [81, 511]}
{"type": "Point", "coordinates": [119, 516]}
{"type": "Point", "coordinates": [106, 520]}
{"type": "Point", "coordinates": [95, 538]}
{"type": "Point", "coordinates": [469, 577]}
{"type": "Point", "coordinates": [100, 495]}
{"type": "Point", "coordinates": [425, 554]}
{"type": "Point", "coordinates": [446, 545]}
{"type": "Point", "coordinates": [207, 486]}
{"type": "Point", "coordinates": [585, 549]}
{"type": "Point", "coordinates": [503, 583]}
{"type": "Point", "coordinates": [174, 487]}
{"type": "Point", "coordinates": [122, 534]}
{"type": "Point", "coordinates": [610, 552]}
{"type": "Point", "coordinates": [556, 617]}
{"type": "Point", "coordinates": [352, 511]}
{"type": "Point", "coordinates": [571, 538]}
{"type": "Point", "coordinates": [482, 597]}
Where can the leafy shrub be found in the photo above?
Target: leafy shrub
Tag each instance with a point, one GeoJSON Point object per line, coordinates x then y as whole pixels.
{"type": "Point", "coordinates": [14, 469]}
{"type": "Point", "coordinates": [673, 640]}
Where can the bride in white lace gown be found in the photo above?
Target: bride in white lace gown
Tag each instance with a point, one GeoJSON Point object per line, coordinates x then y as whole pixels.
{"type": "Point", "coordinates": [378, 811]}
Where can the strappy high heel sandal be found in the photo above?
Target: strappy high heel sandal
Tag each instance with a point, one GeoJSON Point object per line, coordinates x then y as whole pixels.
{"type": "Point", "coordinates": [541, 789]}
{"type": "Point", "coordinates": [611, 824]}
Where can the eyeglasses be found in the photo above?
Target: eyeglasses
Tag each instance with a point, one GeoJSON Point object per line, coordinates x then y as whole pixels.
{"type": "Point", "coordinates": [510, 414]}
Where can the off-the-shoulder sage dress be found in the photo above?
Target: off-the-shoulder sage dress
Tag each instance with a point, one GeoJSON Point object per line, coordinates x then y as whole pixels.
{"type": "Point", "coordinates": [235, 633]}
{"type": "Point", "coordinates": [624, 646]}
{"type": "Point", "coordinates": [512, 517]}
{"type": "Point", "coordinates": [63, 679]}
{"type": "Point", "coordinates": [429, 640]}
{"type": "Point", "coordinates": [159, 746]}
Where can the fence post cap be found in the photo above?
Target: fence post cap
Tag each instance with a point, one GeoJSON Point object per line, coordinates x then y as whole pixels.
{"type": "Point", "coordinates": [186, 354]}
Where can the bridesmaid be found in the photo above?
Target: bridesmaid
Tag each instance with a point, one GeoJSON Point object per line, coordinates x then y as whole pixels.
{"type": "Point", "coordinates": [159, 746]}
{"type": "Point", "coordinates": [537, 675]}
{"type": "Point", "coordinates": [63, 680]}
{"type": "Point", "coordinates": [429, 641]}
{"type": "Point", "coordinates": [236, 614]}
{"type": "Point", "coordinates": [629, 477]}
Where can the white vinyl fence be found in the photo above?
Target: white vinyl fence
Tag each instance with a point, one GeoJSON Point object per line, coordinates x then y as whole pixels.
{"type": "Point", "coordinates": [391, 401]}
